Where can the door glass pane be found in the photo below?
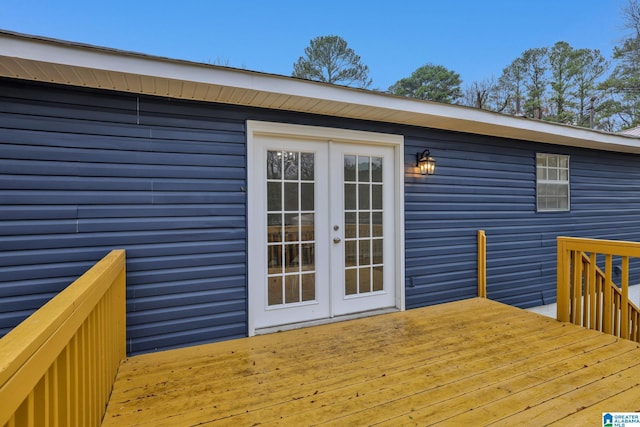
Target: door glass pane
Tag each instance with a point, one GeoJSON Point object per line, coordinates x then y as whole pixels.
{"type": "Point", "coordinates": [363, 196]}
{"type": "Point", "coordinates": [291, 289]}
{"type": "Point", "coordinates": [351, 281]}
{"type": "Point", "coordinates": [308, 287]}
{"type": "Point", "coordinates": [349, 196]}
{"type": "Point", "coordinates": [307, 166]}
{"type": "Point", "coordinates": [275, 290]}
{"type": "Point", "coordinates": [274, 196]}
{"type": "Point", "coordinates": [274, 253]}
{"type": "Point", "coordinates": [376, 251]}
{"type": "Point", "coordinates": [364, 280]}
{"type": "Point", "coordinates": [291, 196]}
{"type": "Point", "coordinates": [274, 165]}
{"type": "Point", "coordinates": [377, 279]}
{"type": "Point", "coordinates": [290, 165]}
{"type": "Point", "coordinates": [307, 195]}
{"type": "Point", "coordinates": [363, 168]}
{"type": "Point", "coordinates": [308, 259]}
{"type": "Point", "coordinates": [291, 257]}
{"type": "Point", "coordinates": [307, 227]}
{"type": "Point", "coordinates": [376, 224]}
{"type": "Point", "coordinates": [376, 196]}
{"type": "Point", "coordinates": [350, 225]}
{"type": "Point", "coordinates": [376, 169]}
{"type": "Point", "coordinates": [363, 254]}
{"type": "Point", "coordinates": [274, 224]}
{"type": "Point", "coordinates": [290, 227]}
{"type": "Point", "coordinates": [350, 253]}
{"type": "Point", "coordinates": [350, 168]}
{"type": "Point", "coordinates": [363, 221]}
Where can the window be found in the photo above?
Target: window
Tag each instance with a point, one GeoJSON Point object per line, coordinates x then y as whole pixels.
{"type": "Point", "coordinates": [552, 182]}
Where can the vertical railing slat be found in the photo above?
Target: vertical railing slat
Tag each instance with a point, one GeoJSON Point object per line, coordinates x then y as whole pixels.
{"type": "Point", "coordinates": [592, 290]}
{"type": "Point", "coordinates": [576, 292]}
{"type": "Point", "coordinates": [82, 375]}
{"type": "Point", "coordinates": [55, 413]}
{"type": "Point", "coordinates": [31, 409]}
{"type": "Point", "coordinates": [607, 309]}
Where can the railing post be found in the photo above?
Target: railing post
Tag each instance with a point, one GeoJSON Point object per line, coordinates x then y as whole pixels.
{"type": "Point", "coordinates": [624, 314]}
{"type": "Point", "coordinates": [562, 282]}
{"type": "Point", "coordinates": [607, 312]}
{"type": "Point", "coordinates": [482, 264]}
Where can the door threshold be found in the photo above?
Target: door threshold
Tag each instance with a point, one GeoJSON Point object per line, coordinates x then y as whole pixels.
{"type": "Point", "coordinates": [341, 318]}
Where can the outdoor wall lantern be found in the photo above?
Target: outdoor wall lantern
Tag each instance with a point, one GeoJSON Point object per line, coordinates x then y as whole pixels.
{"type": "Point", "coordinates": [426, 163]}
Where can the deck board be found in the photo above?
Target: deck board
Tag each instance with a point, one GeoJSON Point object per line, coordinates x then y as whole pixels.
{"type": "Point", "coordinates": [471, 362]}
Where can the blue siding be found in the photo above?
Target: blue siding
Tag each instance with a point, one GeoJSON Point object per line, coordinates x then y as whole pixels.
{"type": "Point", "coordinates": [489, 183]}
{"type": "Point", "coordinates": [83, 172]}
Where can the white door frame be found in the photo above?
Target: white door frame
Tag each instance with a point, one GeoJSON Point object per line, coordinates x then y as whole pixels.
{"type": "Point", "coordinates": [255, 252]}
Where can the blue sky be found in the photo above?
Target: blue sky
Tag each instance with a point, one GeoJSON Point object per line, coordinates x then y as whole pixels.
{"type": "Point", "coordinates": [475, 38]}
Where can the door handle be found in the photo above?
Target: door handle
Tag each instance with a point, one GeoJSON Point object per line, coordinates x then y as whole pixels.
{"type": "Point", "coordinates": [336, 240]}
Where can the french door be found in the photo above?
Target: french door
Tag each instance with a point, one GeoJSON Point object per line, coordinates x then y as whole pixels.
{"type": "Point", "coordinates": [322, 224]}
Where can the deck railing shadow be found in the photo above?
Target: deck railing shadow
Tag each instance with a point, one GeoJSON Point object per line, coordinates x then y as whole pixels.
{"type": "Point", "coordinates": [59, 365]}
{"type": "Point", "coordinates": [587, 295]}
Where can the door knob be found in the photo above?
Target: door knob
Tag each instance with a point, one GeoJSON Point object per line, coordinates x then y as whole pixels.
{"type": "Point", "coordinates": [336, 240]}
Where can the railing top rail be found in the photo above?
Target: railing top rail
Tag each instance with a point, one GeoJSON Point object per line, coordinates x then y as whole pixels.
{"type": "Point", "coordinates": [24, 340]}
{"type": "Point", "coordinates": [607, 247]}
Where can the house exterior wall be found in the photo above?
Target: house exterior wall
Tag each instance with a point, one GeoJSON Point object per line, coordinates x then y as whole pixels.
{"type": "Point", "coordinates": [82, 173]}
{"type": "Point", "coordinates": [85, 171]}
{"type": "Point", "coordinates": [490, 184]}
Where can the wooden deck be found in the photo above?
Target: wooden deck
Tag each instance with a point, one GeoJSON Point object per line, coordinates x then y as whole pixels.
{"type": "Point", "coordinates": [472, 362]}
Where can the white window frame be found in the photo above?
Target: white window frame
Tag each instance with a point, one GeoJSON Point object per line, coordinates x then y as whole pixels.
{"type": "Point", "coordinates": [552, 174]}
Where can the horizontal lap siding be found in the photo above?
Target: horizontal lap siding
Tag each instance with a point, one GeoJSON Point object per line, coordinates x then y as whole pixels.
{"type": "Point", "coordinates": [84, 172]}
{"type": "Point", "coordinates": [489, 183]}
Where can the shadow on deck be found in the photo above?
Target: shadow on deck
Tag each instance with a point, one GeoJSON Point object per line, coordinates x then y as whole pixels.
{"type": "Point", "coordinates": [471, 362]}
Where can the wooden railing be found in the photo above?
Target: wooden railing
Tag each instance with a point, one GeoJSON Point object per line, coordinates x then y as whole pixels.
{"type": "Point", "coordinates": [482, 264]}
{"type": "Point", "coordinates": [58, 366]}
{"type": "Point", "coordinates": [588, 296]}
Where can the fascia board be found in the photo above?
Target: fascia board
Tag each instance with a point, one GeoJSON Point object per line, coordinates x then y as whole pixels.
{"type": "Point", "coordinates": [373, 105]}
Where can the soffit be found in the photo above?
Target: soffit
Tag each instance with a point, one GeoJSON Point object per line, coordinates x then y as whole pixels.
{"type": "Point", "coordinates": [39, 59]}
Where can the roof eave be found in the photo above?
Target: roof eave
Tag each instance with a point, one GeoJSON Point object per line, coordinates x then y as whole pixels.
{"type": "Point", "coordinates": [54, 61]}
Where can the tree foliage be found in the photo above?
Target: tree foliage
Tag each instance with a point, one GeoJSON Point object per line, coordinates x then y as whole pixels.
{"type": "Point", "coordinates": [623, 85]}
{"type": "Point", "coordinates": [430, 82]}
{"type": "Point", "coordinates": [590, 66]}
{"type": "Point", "coordinates": [535, 66]}
{"type": "Point", "coordinates": [328, 59]}
{"type": "Point", "coordinates": [511, 82]}
{"type": "Point", "coordinates": [563, 68]}
{"type": "Point", "coordinates": [558, 83]}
